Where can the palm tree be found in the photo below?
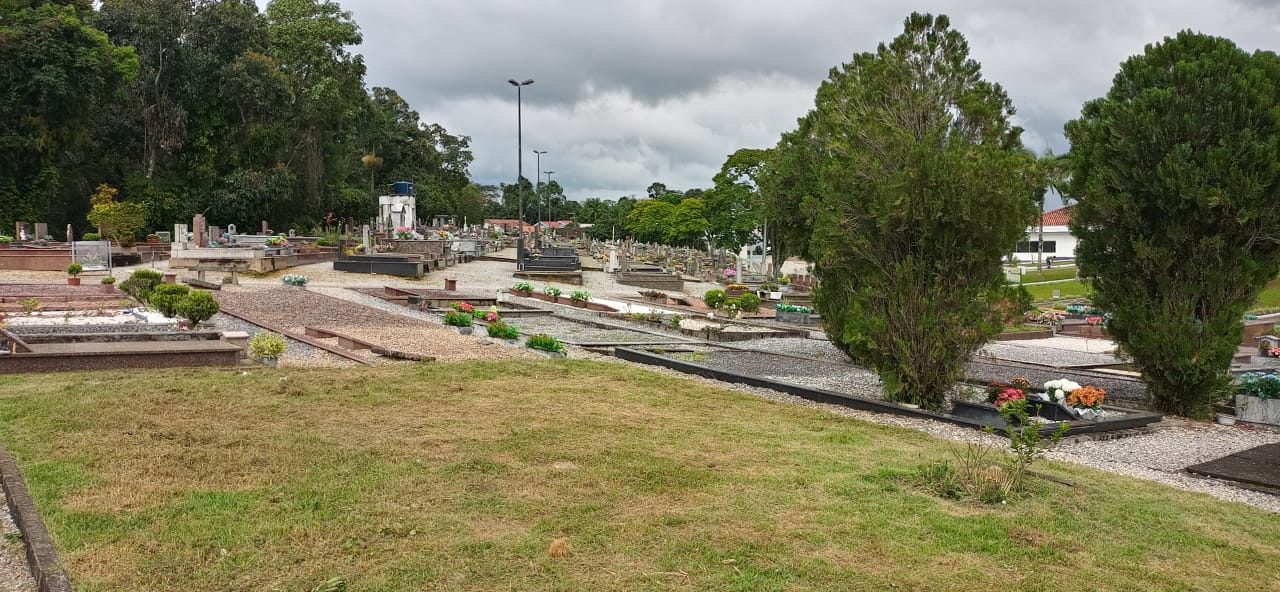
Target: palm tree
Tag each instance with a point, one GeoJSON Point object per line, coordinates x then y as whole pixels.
{"type": "Point", "coordinates": [1049, 174]}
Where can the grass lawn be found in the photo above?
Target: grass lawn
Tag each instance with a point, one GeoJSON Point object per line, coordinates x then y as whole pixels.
{"type": "Point", "coordinates": [1269, 299]}
{"type": "Point", "coordinates": [1044, 292]}
{"type": "Point", "coordinates": [1048, 275]}
{"type": "Point", "coordinates": [459, 477]}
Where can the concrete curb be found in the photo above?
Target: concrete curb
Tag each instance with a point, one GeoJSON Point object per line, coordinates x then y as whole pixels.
{"type": "Point", "coordinates": [42, 558]}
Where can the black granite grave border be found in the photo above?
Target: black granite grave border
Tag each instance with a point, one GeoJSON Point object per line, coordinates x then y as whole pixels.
{"type": "Point", "coordinates": [42, 557]}
{"type": "Point", "coordinates": [1129, 421]}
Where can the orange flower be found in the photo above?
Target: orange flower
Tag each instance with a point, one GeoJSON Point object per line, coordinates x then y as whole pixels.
{"type": "Point", "coordinates": [1086, 396]}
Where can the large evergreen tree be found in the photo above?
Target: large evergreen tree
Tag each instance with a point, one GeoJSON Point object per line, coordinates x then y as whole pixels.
{"type": "Point", "coordinates": [1177, 175]}
{"type": "Point", "coordinates": [920, 189]}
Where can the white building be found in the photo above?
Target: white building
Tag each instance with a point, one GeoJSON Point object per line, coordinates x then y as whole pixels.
{"type": "Point", "coordinates": [1059, 243]}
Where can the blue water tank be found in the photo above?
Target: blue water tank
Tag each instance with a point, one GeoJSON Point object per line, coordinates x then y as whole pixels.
{"type": "Point", "coordinates": [402, 188]}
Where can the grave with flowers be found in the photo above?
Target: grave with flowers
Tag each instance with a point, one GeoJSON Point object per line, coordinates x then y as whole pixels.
{"type": "Point", "coordinates": [1054, 401]}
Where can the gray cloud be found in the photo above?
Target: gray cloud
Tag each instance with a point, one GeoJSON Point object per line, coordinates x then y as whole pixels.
{"type": "Point", "coordinates": [634, 91]}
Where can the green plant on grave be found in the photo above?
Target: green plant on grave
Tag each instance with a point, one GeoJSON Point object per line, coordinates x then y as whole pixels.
{"type": "Point", "coordinates": [580, 296]}
{"type": "Point", "coordinates": [30, 305]}
{"type": "Point", "coordinates": [197, 307]}
{"type": "Point", "coordinates": [749, 302]}
{"type": "Point", "coordinates": [455, 318]}
{"type": "Point", "coordinates": [109, 280]}
{"type": "Point", "coordinates": [91, 236]}
{"type": "Point", "coordinates": [266, 345]}
{"type": "Point", "coordinates": [545, 342]}
{"type": "Point", "coordinates": [675, 320]}
{"type": "Point", "coordinates": [140, 284]}
{"type": "Point", "coordinates": [501, 330]}
{"type": "Point", "coordinates": [4, 238]}
{"type": "Point", "coordinates": [551, 291]}
{"type": "Point", "coordinates": [74, 269]}
{"type": "Point", "coordinates": [713, 298]}
{"type": "Point", "coordinates": [166, 297]}
{"type": "Point", "coordinates": [522, 287]}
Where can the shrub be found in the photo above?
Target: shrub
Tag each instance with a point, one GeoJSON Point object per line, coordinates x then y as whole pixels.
{"type": "Point", "coordinates": [4, 238]}
{"type": "Point", "coordinates": [545, 342]}
{"type": "Point", "coordinates": [713, 298]}
{"type": "Point", "coordinates": [324, 241]}
{"type": "Point", "coordinates": [749, 302]}
{"type": "Point", "coordinates": [523, 287]}
{"type": "Point", "coordinates": [91, 236]}
{"type": "Point", "coordinates": [166, 298]}
{"type": "Point", "coordinates": [141, 283]}
{"type": "Point", "coordinates": [74, 269]}
{"type": "Point", "coordinates": [1177, 295]}
{"type": "Point", "coordinates": [580, 295]}
{"type": "Point", "coordinates": [266, 344]}
{"type": "Point", "coordinates": [551, 291]}
{"type": "Point", "coordinates": [912, 219]}
{"type": "Point", "coordinates": [108, 280]}
{"type": "Point", "coordinates": [455, 318]}
{"type": "Point", "coordinates": [153, 237]}
{"type": "Point", "coordinates": [197, 307]}
{"type": "Point", "coordinates": [736, 287]}
{"type": "Point", "coordinates": [502, 330]}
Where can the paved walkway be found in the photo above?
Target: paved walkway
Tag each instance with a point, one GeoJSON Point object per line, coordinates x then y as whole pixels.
{"type": "Point", "coordinates": [1258, 466]}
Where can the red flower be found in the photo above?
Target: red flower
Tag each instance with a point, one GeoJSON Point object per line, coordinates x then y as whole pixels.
{"type": "Point", "coordinates": [1008, 396]}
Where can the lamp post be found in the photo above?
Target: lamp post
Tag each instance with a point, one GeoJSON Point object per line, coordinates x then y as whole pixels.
{"type": "Point", "coordinates": [519, 170]}
{"type": "Point", "coordinates": [538, 191]}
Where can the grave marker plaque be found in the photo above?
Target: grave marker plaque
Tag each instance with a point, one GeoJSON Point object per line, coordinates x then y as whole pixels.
{"type": "Point", "coordinates": [93, 255]}
{"type": "Point", "coordinates": [42, 229]}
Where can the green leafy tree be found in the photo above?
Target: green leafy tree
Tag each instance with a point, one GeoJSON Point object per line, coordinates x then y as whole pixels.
{"type": "Point", "coordinates": [732, 205]}
{"type": "Point", "coordinates": [686, 226]}
{"type": "Point", "coordinates": [1177, 176]}
{"type": "Point", "coordinates": [647, 220]}
{"type": "Point", "coordinates": [56, 71]}
{"type": "Point", "coordinates": [919, 193]}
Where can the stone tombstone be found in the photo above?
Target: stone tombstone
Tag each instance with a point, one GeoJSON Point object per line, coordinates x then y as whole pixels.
{"type": "Point", "coordinates": [179, 233]}
{"type": "Point", "coordinates": [198, 231]}
{"type": "Point", "coordinates": [265, 229]}
{"type": "Point", "coordinates": [165, 236]}
{"type": "Point", "coordinates": [365, 232]}
{"type": "Point", "coordinates": [42, 229]}
{"type": "Point", "coordinates": [231, 229]}
{"type": "Point", "coordinates": [291, 235]}
{"type": "Point", "coordinates": [215, 233]}
{"type": "Point", "coordinates": [23, 231]}
{"type": "Point", "coordinates": [70, 237]}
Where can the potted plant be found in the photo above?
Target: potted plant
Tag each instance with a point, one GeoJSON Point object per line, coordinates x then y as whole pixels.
{"type": "Point", "coordinates": [109, 285]}
{"type": "Point", "coordinates": [547, 344]}
{"type": "Point", "coordinates": [197, 307]}
{"type": "Point", "coordinates": [1258, 398]}
{"type": "Point", "coordinates": [153, 238]}
{"type": "Point", "coordinates": [552, 293]}
{"type": "Point", "coordinates": [266, 347]}
{"type": "Point", "coordinates": [74, 270]}
{"type": "Point", "coordinates": [792, 313]}
{"type": "Point", "coordinates": [91, 236]}
{"type": "Point", "coordinates": [524, 289]}
{"type": "Point", "coordinates": [579, 298]}
{"type": "Point", "coordinates": [735, 290]}
{"type": "Point", "coordinates": [296, 280]}
{"type": "Point", "coordinates": [463, 321]}
{"type": "Point", "coordinates": [5, 240]}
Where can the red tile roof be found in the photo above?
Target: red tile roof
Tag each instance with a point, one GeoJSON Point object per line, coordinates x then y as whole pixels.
{"type": "Point", "coordinates": [1058, 217]}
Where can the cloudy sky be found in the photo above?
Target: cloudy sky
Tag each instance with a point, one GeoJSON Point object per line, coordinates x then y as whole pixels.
{"type": "Point", "coordinates": [629, 92]}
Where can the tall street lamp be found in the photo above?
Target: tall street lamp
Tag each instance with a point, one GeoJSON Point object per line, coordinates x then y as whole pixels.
{"type": "Point", "coordinates": [520, 170]}
{"type": "Point", "coordinates": [538, 192]}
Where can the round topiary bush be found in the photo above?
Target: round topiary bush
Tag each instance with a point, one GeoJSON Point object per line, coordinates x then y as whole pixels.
{"type": "Point", "coordinates": [197, 307]}
{"type": "Point", "coordinates": [749, 302]}
{"type": "Point", "coordinates": [166, 297]}
{"type": "Point", "coordinates": [713, 298]}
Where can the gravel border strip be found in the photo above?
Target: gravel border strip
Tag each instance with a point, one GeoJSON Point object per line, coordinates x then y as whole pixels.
{"type": "Point", "coordinates": [42, 557]}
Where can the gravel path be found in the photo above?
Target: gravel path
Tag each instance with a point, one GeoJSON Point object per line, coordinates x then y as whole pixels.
{"type": "Point", "coordinates": [363, 317]}
{"type": "Point", "coordinates": [296, 353]}
{"type": "Point", "coordinates": [15, 574]}
{"type": "Point", "coordinates": [1028, 352]}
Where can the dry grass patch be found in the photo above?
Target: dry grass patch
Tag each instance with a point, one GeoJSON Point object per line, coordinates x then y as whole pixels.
{"type": "Point", "coordinates": [463, 476]}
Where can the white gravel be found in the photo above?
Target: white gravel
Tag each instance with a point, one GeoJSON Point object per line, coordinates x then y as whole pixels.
{"type": "Point", "coordinates": [15, 574]}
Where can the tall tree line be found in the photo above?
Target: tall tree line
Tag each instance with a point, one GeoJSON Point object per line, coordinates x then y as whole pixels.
{"type": "Point", "coordinates": [190, 106]}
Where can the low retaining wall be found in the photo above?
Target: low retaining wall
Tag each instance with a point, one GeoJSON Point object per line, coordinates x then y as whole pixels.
{"type": "Point", "coordinates": [42, 557]}
{"type": "Point", "coordinates": [114, 356]}
{"type": "Point", "coordinates": [1024, 335]}
{"type": "Point", "coordinates": [35, 259]}
{"type": "Point", "coordinates": [652, 281]}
